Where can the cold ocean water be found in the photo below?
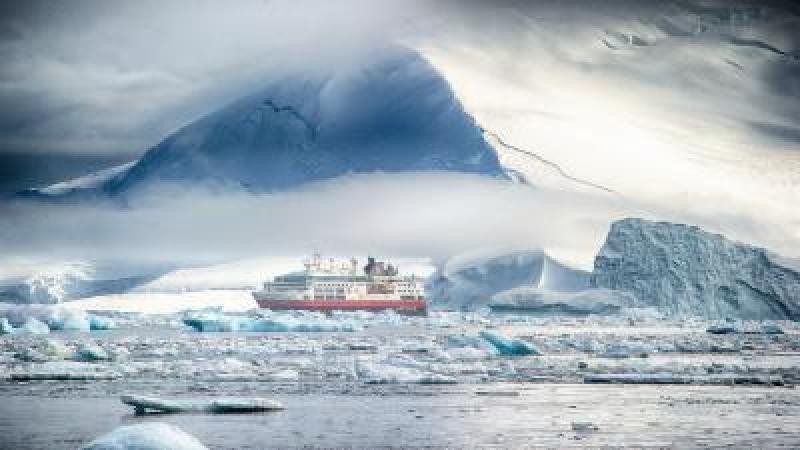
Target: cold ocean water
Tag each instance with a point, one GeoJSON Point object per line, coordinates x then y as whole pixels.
{"type": "Point", "coordinates": [415, 382]}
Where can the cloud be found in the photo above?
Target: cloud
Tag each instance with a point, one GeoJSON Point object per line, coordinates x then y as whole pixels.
{"type": "Point", "coordinates": [103, 77]}
{"type": "Point", "coordinates": [425, 214]}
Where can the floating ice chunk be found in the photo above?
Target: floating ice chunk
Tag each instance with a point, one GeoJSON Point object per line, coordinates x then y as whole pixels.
{"type": "Point", "coordinates": [721, 329]}
{"type": "Point", "coordinates": [461, 341]}
{"type": "Point", "coordinates": [468, 353]}
{"type": "Point", "coordinates": [771, 329]}
{"type": "Point", "coordinates": [285, 375]}
{"type": "Point", "coordinates": [54, 349]}
{"type": "Point", "coordinates": [92, 352]}
{"type": "Point", "coordinates": [143, 405]}
{"type": "Point", "coordinates": [619, 351]}
{"type": "Point", "coordinates": [584, 426]}
{"type": "Point", "coordinates": [31, 355]}
{"type": "Point", "coordinates": [5, 326]}
{"type": "Point", "coordinates": [101, 323]}
{"type": "Point", "coordinates": [64, 370]}
{"type": "Point", "coordinates": [252, 405]}
{"type": "Point", "coordinates": [509, 347]}
{"type": "Point", "coordinates": [212, 322]}
{"type": "Point", "coordinates": [146, 436]}
{"type": "Point", "coordinates": [389, 374]}
{"type": "Point", "coordinates": [34, 326]}
{"type": "Point", "coordinates": [671, 378]}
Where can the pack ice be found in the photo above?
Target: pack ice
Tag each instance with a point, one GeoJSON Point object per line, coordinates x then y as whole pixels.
{"type": "Point", "coordinates": [683, 270]}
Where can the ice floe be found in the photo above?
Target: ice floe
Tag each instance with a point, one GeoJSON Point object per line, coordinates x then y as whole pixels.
{"type": "Point", "coordinates": [143, 405]}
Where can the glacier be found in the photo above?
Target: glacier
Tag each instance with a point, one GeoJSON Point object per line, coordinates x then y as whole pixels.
{"type": "Point", "coordinates": [685, 271]}
{"type": "Point", "coordinates": [388, 110]}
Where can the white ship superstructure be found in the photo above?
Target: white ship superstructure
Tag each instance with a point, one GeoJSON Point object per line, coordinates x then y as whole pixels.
{"type": "Point", "coordinates": [331, 284]}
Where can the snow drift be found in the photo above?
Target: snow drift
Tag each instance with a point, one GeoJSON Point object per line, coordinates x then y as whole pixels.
{"type": "Point", "coordinates": [683, 270]}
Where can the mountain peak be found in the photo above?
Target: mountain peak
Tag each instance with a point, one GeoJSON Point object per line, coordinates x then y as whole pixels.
{"type": "Point", "coordinates": [390, 111]}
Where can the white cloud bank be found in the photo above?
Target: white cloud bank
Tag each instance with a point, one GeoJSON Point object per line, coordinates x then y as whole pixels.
{"type": "Point", "coordinates": [434, 215]}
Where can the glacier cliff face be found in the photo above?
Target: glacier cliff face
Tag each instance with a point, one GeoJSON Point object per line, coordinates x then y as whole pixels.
{"type": "Point", "coordinates": [683, 270]}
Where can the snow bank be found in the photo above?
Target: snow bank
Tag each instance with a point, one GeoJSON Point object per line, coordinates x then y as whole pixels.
{"type": "Point", "coordinates": [146, 436]}
{"type": "Point", "coordinates": [683, 270]}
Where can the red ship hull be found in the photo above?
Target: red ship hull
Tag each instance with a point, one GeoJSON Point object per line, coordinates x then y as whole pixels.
{"type": "Point", "coordinates": [344, 305]}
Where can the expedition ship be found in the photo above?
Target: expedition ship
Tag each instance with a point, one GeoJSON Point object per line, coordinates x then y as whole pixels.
{"type": "Point", "coordinates": [342, 285]}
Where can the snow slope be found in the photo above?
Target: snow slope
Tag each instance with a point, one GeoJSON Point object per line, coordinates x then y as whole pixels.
{"type": "Point", "coordinates": [683, 270]}
{"type": "Point", "coordinates": [387, 111]}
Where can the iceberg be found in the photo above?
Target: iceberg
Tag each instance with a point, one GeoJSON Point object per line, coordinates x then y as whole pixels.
{"type": "Point", "coordinates": [471, 280]}
{"type": "Point", "coordinates": [146, 436]}
{"type": "Point", "coordinates": [98, 323]}
{"type": "Point", "coordinates": [34, 326]}
{"type": "Point", "coordinates": [5, 326]}
{"type": "Point", "coordinates": [771, 328]}
{"type": "Point", "coordinates": [509, 347]}
{"type": "Point", "coordinates": [56, 318]}
{"type": "Point", "coordinates": [685, 271]}
{"type": "Point", "coordinates": [721, 329]}
{"type": "Point", "coordinates": [143, 405]}
{"type": "Point", "coordinates": [92, 352]}
{"type": "Point", "coordinates": [55, 349]}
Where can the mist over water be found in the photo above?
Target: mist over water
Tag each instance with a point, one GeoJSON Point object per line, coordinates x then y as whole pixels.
{"type": "Point", "coordinates": [421, 214]}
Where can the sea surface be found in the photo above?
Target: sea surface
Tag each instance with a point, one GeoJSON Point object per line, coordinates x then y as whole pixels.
{"type": "Point", "coordinates": [499, 415]}
{"type": "Point", "coordinates": [367, 389]}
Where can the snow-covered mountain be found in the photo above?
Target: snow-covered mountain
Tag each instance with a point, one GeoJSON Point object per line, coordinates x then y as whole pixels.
{"type": "Point", "coordinates": [683, 270]}
{"type": "Point", "coordinates": [58, 283]}
{"type": "Point", "coordinates": [388, 111]}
